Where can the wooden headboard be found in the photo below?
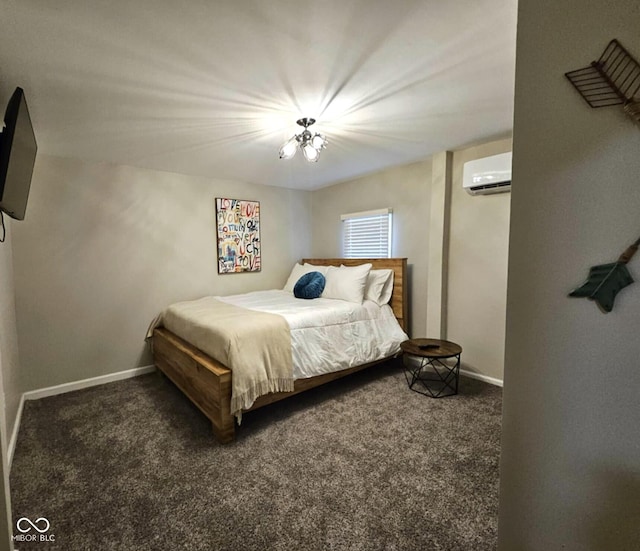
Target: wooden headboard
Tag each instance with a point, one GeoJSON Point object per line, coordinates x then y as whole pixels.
{"type": "Point", "coordinates": [399, 301]}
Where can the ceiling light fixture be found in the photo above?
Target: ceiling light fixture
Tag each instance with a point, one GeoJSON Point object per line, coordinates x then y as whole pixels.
{"type": "Point", "coordinates": [311, 144]}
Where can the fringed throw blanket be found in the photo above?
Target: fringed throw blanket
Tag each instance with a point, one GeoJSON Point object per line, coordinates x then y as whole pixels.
{"type": "Point", "coordinates": [256, 346]}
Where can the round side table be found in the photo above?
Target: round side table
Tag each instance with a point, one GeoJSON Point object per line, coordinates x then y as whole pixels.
{"type": "Point", "coordinates": [425, 367]}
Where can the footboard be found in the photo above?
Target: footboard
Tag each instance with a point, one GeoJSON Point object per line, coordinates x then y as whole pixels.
{"type": "Point", "coordinates": [204, 381]}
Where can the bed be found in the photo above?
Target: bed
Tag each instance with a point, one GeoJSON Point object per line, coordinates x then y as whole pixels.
{"type": "Point", "coordinates": [207, 382]}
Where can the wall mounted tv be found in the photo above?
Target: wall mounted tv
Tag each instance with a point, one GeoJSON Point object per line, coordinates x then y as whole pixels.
{"type": "Point", "coordinates": [17, 156]}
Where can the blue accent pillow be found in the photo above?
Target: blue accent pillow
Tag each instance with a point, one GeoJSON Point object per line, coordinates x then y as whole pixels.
{"type": "Point", "coordinates": [310, 285]}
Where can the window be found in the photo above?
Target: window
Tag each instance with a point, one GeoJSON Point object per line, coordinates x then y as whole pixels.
{"type": "Point", "coordinates": [367, 234]}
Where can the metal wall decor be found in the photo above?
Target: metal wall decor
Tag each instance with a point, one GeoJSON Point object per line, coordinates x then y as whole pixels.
{"type": "Point", "coordinates": [238, 233]}
{"type": "Point", "coordinates": [612, 80]}
{"type": "Point", "coordinates": [606, 280]}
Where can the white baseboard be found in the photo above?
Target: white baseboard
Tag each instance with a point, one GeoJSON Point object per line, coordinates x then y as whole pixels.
{"type": "Point", "coordinates": [14, 432]}
{"type": "Point", "coordinates": [69, 387]}
{"type": "Point", "coordinates": [480, 377]}
{"type": "Point", "coordinates": [471, 374]}
{"type": "Point", "coordinates": [86, 383]}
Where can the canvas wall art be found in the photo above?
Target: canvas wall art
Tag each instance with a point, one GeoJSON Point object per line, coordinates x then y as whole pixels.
{"type": "Point", "coordinates": [238, 233]}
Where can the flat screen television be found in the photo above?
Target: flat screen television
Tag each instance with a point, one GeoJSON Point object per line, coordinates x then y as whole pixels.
{"type": "Point", "coordinates": [17, 156]}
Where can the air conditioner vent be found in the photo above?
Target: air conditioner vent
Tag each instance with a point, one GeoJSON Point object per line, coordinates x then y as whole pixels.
{"type": "Point", "coordinates": [488, 175]}
{"type": "Point", "coordinates": [486, 189]}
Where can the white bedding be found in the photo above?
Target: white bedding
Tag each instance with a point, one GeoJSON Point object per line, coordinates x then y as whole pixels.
{"type": "Point", "coordinates": [329, 335]}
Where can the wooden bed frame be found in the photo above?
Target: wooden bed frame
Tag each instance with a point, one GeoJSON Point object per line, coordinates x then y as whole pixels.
{"type": "Point", "coordinates": [207, 382]}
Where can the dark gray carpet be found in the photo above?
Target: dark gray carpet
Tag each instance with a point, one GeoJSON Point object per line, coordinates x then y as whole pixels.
{"type": "Point", "coordinates": [359, 464]}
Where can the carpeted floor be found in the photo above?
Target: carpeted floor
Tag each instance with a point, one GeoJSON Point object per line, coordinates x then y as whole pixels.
{"type": "Point", "coordinates": [359, 464]}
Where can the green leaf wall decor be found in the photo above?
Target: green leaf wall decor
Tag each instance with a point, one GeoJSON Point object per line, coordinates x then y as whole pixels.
{"type": "Point", "coordinates": [605, 281]}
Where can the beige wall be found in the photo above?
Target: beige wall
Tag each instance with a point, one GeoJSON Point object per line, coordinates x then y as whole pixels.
{"type": "Point", "coordinates": [104, 248]}
{"type": "Point", "coordinates": [475, 267]}
{"type": "Point", "coordinates": [570, 462]}
{"type": "Point", "coordinates": [406, 190]}
{"type": "Point", "coordinates": [10, 372]}
{"type": "Point", "coordinates": [9, 378]}
{"type": "Point", "coordinates": [477, 277]}
{"type": "Point", "coordinates": [5, 498]}
{"type": "Point", "coordinates": [9, 357]}
{"type": "Point", "coordinates": [438, 239]}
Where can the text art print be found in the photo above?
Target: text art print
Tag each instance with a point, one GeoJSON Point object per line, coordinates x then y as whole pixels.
{"type": "Point", "coordinates": [238, 224]}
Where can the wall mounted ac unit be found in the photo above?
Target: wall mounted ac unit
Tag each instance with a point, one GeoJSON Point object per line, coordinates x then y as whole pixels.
{"type": "Point", "coordinates": [488, 175]}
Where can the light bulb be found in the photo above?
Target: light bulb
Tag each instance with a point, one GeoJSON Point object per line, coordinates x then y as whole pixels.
{"type": "Point", "coordinates": [310, 152]}
{"type": "Point", "coordinates": [319, 142]}
{"type": "Point", "coordinates": [288, 150]}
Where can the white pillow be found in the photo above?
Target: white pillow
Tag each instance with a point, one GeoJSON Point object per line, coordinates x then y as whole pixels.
{"type": "Point", "coordinates": [379, 286]}
{"type": "Point", "coordinates": [387, 290]}
{"type": "Point", "coordinates": [346, 283]}
{"type": "Point", "coordinates": [314, 268]}
{"type": "Point", "coordinates": [298, 271]}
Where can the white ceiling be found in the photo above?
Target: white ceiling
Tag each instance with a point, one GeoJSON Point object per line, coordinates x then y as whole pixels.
{"type": "Point", "coordinates": [213, 88]}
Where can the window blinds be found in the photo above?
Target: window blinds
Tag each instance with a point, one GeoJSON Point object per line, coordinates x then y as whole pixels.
{"type": "Point", "coordinates": [367, 234]}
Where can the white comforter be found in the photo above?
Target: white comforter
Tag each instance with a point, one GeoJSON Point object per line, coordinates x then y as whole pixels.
{"type": "Point", "coordinates": [329, 335]}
